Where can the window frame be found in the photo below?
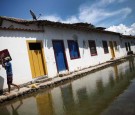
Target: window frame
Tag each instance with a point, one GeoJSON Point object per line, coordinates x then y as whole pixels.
{"type": "Point", "coordinates": [93, 45]}
{"type": "Point", "coordinates": [126, 46]}
{"type": "Point", "coordinates": [115, 45]}
{"type": "Point", "coordinates": [106, 50]}
{"type": "Point", "coordinates": [77, 49]}
{"type": "Point", "coordinates": [129, 46]}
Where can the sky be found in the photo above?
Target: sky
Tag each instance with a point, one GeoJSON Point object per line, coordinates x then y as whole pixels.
{"type": "Point", "coordinates": [115, 15]}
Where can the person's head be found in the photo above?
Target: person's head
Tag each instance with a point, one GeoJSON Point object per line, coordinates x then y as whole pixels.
{"type": "Point", "coordinates": [7, 59]}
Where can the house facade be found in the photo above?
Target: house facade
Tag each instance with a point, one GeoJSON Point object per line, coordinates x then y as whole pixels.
{"type": "Point", "coordinates": [43, 48]}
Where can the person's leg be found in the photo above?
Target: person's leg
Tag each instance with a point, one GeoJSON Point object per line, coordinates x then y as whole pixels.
{"type": "Point", "coordinates": [9, 88]}
{"type": "Point", "coordinates": [9, 83]}
{"type": "Point", "coordinates": [18, 87]}
{"type": "Point", "coordinates": [7, 93]}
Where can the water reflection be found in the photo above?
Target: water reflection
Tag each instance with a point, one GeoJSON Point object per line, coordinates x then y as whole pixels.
{"type": "Point", "coordinates": [131, 64]}
{"type": "Point", "coordinates": [5, 111]}
{"type": "Point", "coordinates": [124, 104]}
{"type": "Point", "coordinates": [111, 81]}
{"type": "Point", "coordinates": [68, 100]}
{"type": "Point", "coordinates": [99, 85]}
{"type": "Point", "coordinates": [89, 95]}
{"type": "Point", "coordinates": [14, 109]}
{"type": "Point", "coordinates": [44, 104]}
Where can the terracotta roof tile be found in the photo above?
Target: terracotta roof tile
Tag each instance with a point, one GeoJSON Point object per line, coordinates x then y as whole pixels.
{"type": "Point", "coordinates": [128, 36]}
{"type": "Point", "coordinates": [76, 26]}
{"type": "Point", "coordinates": [20, 29]}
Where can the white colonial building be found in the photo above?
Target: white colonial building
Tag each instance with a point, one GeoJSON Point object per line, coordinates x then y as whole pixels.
{"type": "Point", "coordinates": [43, 48]}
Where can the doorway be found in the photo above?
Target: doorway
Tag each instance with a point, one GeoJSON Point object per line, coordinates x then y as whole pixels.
{"type": "Point", "coordinates": [36, 57]}
{"type": "Point", "coordinates": [112, 49]}
{"type": "Point", "coordinates": [60, 57]}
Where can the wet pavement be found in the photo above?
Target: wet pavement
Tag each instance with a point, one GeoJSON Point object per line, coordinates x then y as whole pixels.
{"type": "Point", "coordinates": [109, 91]}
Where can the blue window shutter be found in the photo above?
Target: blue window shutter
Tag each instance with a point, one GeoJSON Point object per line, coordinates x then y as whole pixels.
{"type": "Point", "coordinates": [73, 49]}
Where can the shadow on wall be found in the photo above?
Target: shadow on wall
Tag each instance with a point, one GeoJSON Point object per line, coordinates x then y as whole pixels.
{"type": "Point", "coordinates": [1, 84]}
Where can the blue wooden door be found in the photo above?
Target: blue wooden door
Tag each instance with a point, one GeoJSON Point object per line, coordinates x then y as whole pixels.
{"type": "Point", "coordinates": [60, 57]}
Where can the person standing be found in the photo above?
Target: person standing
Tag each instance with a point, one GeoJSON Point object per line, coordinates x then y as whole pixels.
{"type": "Point", "coordinates": [8, 67]}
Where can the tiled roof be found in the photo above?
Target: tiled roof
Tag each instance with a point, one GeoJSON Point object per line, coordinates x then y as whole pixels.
{"type": "Point", "coordinates": [128, 36]}
{"type": "Point", "coordinates": [14, 19]}
{"type": "Point", "coordinates": [76, 26]}
{"type": "Point", "coordinates": [20, 29]}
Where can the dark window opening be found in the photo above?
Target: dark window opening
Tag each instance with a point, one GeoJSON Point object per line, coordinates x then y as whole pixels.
{"type": "Point", "coordinates": [105, 47]}
{"type": "Point", "coordinates": [35, 46]}
{"type": "Point", "coordinates": [92, 46]}
{"type": "Point", "coordinates": [115, 45]}
{"type": "Point", "coordinates": [129, 46]}
{"type": "Point", "coordinates": [126, 46]}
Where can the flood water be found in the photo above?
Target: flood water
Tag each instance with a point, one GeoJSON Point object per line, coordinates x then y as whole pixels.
{"type": "Point", "coordinates": [99, 93]}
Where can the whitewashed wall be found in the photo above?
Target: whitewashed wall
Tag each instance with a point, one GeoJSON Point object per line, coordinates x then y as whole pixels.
{"type": "Point", "coordinates": [86, 59]}
{"type": "Point", "coordinates": [15, 42]}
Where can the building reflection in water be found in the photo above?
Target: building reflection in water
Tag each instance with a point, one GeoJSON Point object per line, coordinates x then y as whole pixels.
{"type": "Point", "coordinates": [44, 104]}
{"type": "Point", "coordinates": [116, 72]}
{"type": "Point", "coordinates": [57, 101]}
{"type": "Point", "coordinates": [4, 111]}
{"type": "Point", "coordinates": [20, 107]}
{"type": "Point", "coordinates": [131, 64]}
{"type": "Point", "coordinates": [68, 100]}
{"type": "Point", "coordinates": [89, 95]}
{"type": "Point", "coordinates": [99, 85]}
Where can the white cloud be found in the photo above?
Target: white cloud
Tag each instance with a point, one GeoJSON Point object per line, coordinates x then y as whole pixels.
{"type": "Point", "coordinates": [72, 19]}
{"type": "Point", "coordinates": [54, 18]}
{"type": "Point", "coordinates": [106, 2]}
{"type": "Point", "coordinates": [123, 29]}
{"type": "Point", "coordinates": [95, 13]}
